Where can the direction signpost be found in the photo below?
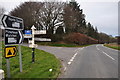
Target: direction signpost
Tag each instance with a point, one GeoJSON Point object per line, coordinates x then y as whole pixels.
{"type": "Point", "coordinates": [13, 35]}
{"type": "Point", "coordinates": [33, 43]}
{"type": "Point", "coordinates": [11, 22]}
{"type": "Point", "coordinates": [28, 34]}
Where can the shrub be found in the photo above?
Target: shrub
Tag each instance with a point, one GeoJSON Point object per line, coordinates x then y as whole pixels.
{"type": "Point", "coordinates": [80, 39]}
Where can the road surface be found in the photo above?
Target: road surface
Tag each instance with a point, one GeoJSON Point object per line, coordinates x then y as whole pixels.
{"type": "Point", "coordinates": [94, 61]}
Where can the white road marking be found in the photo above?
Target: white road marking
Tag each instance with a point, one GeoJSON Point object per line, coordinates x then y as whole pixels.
{"type": "Point", "coordinates": [69, 62]}
{"type": "Point", "coordinates": [64, 67]}
{"type": "Point", "coordinates": [72, 59]}
{"type": "Point", "coordinates": [105, 53]}
{"type": "Point", "coordinates": [97, 47]}
{"type": "Point", "coordinates": [77, 49]}
{"type": "Point", "coordinates": [109, 56]}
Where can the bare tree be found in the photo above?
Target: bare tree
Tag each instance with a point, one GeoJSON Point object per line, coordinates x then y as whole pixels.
{"type": "Point", "coordinates": [50, 16]}
{"type": "Point", "coordinates": [2, 10]}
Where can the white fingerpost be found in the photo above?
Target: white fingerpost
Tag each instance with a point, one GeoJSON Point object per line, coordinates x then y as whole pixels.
{"type": "Point", "coordinates": [33, 33]}
{"type": "Point", "coordinates": [33, 43]}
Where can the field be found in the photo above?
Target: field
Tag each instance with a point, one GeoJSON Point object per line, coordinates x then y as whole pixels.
{"type": "Point", "coordinates": [113, 46]}
{"type": "Point", "coordinates": [40, 69]}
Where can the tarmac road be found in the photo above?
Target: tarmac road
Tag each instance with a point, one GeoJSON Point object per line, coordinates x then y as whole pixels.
{"type": "Point", "coordinates": [95, 61]}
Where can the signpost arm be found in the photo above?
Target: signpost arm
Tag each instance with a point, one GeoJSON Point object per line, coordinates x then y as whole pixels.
{"type": "Point", "coordinates": [8, 68]}
{"type": "Point", "coordinates": [20, 58]}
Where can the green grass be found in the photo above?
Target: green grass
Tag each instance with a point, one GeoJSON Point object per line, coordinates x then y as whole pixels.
{"type": "Point", "coordinates": [60, 45]}
{"type": "Point", "coordinates": [40, 69]}
{"type": "Point", "coordinates": [113, 47]}
{"type": "Point", "coordinates": [67, 45]}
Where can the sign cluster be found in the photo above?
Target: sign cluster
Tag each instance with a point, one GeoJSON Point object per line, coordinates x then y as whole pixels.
{"type": "Point", "coordinates": [13, 34]}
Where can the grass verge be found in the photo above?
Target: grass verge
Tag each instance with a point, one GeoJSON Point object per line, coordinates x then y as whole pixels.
{"type": "Point", "coordinates": [40, 69]}
{"type": "Point", "coordinates": [59, 44]}
{"type": "Point", "coordinates": [113, 46]}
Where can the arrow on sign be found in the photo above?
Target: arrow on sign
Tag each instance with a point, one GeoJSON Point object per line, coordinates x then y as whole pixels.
{"type": "Point", "coordinates": [21, 37]}
{"type": "Point", "coordinates": [10, 22]}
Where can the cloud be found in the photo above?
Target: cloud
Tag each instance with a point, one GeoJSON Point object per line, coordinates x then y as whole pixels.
{"type": "Point", "coordinates": [104, 15]}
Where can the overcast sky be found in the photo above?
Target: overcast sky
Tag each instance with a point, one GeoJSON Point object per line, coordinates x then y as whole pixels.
{"type": "Point", "coordinates": [100, 13]}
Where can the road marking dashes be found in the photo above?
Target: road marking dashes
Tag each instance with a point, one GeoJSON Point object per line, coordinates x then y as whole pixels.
{"type": "Point", "coordinates": [72, 59]}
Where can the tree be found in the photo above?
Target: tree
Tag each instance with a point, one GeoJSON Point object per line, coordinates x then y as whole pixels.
{"type": "Point", "coordinates": [44, 15]}
{"type": "Point", "coordinates": [26, 11]}
{"type": "Point", "coordinates": [96, 34]}
{"type": "Point", "coordinates": [2, 10]}
{"type": "Point", "coordinates": [104, 38]}
{"type": "Point", "coordinates": [50, 16]}
{"type": "Point", "coordinates": [74, 18]}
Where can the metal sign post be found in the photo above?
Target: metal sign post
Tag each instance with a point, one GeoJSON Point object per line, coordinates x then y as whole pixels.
{"type": "Point", "coordinates": [20, 58]}
{"type": "Point", "coordinates": [13, 35]}
{"type": "Point", "coordinates": [8, 68]}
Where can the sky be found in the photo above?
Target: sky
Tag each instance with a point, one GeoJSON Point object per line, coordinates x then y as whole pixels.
{"type": "Point", "coordinates": [102, 14]}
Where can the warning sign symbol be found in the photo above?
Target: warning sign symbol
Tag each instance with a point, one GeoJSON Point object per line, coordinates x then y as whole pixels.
{"type": "Point", "coordinates": [10, 51]}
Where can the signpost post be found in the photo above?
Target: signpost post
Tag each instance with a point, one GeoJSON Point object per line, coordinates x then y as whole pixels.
{"type": "Point", "coordinates": [13, 35]}
{"type": "Point", "coordinates": [33, 43]}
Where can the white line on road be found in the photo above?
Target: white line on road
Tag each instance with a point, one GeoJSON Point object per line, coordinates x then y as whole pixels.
{"type": "Point", "coordinates": [108, 55]}
{"type": "Point", "coordinates": [105, 53]}
{"type": "Point", "coordinates": [74, 55]}
{"type": "Point", "coordinates": [77, 49]}
{"type": "Point", "coordinates": [64, 67]}
{"type": "Point", "coordinates": [69, 62]}
{"type": "Point", "coordinates": [97, 47]}
{"type": "Point", "coordinates": [72, 58]}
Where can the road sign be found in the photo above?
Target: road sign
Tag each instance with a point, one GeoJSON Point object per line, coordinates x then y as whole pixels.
{"type": "Point", "coordinates": [10, 51]}
{"type": "Point", "coordinates": [11, 22]}
{"type": "Point", "coordinates": [40, 32]}
{"type": "Point", "coordinates": [13, 37]}
{"type": "Point", "coordinates": [28, 32]}
{"type": "Point", "coordinates": [27, 36]}
{"type": "Point", "coordinates": [42, 39]}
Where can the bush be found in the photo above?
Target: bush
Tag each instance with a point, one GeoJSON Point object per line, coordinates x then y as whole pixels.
{"type": "Point", "coordinates": [80, 39]}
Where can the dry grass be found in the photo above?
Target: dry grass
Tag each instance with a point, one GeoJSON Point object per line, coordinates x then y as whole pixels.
{"type": "Point", "coordinates": [113, 45]}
